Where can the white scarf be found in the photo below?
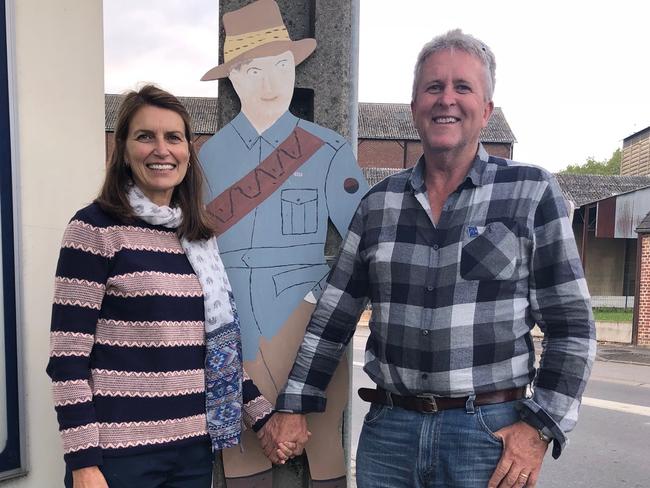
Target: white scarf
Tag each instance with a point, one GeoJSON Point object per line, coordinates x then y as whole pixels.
{"type": "Point", "coordinates": [223, 367]}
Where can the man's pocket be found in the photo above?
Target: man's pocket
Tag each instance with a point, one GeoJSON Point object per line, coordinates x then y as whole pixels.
{"type": "Point", "coordinates": [489, 253]}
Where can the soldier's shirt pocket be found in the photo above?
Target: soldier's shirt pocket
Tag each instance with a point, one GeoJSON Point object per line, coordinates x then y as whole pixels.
{"type": "Point", "coordinates": [299, 211]}
{"type": "Point", "coordinates": [489, 253]}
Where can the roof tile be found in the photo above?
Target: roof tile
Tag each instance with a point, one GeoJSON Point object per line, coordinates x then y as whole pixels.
{"type": "Point", "coordinates": [376, 120]}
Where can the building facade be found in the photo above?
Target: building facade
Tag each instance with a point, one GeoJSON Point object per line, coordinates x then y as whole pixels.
{"type": "Point", "coordinates": [386, 136]}
{"type": "Point", "coordinates": [636, 154]}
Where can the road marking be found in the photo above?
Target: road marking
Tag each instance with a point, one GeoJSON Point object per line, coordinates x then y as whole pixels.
{"type": "Point", "coordinates": [617, 406]}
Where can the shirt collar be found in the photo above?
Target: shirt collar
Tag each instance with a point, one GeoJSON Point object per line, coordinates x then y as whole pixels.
{"type": "Point", "coordinates": [478, 174]}
{"type": "Point", "coordinates": [274, 135]}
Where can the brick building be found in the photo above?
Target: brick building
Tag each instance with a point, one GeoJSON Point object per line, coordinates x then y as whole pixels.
{"type": "Point", "coordinates": [636, 153]}
{"type": "Point", "coordinates": [387, 137]}
{"type": "Point", "coordinates": [202, 110]}
{"type": "Point", "coordinates": [641, 326]}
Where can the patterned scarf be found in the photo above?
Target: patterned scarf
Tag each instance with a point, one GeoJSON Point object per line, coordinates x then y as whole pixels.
{"type": "Point", "coordinates": [223, 366]}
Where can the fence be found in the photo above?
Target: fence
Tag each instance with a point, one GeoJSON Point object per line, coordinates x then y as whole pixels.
{"type": "Point", "coordinates": [612, 301]}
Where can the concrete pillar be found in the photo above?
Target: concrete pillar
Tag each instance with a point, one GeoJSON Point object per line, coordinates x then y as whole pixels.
{"type": "Point", "coordinates": [56, 98]}
{"type": "Point", "coordinates": [326, 93]}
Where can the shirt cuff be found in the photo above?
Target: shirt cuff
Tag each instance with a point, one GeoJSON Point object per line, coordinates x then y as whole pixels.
{"type": "Point", "coordinates": [292, 403]}
{"type": "Point", "coordinates": [533, 414]}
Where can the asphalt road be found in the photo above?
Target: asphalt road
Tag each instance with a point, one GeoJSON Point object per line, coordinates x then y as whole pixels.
{"type": "Point", "coordinates": [609, 448]}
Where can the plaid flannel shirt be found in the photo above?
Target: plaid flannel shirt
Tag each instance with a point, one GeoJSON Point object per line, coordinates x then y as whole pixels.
{"type": "Point", "coordinates": [453, 304]}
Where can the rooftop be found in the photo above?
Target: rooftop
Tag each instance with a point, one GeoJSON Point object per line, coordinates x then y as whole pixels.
{"type": "Point", "coordinates": [376, 120]}
{"type": "Point", "coordinates": [584, 189]}
{"type": "Point", "coordinates": [644, 225]}
{"type": "Point", "coordinates": [394, 121]}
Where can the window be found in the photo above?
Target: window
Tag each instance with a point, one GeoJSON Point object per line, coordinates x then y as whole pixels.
{"type": "Point", "coordinates": [10, 457]}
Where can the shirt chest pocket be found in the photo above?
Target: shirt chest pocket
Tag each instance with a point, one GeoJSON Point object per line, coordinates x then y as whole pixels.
{"type": "Point", "coordinates": [299, 211]}
{"type": "Point", "coordinates": [489, 253]}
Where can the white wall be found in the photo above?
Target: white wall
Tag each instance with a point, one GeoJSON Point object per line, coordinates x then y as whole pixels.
{"type": "Point", "coordinates": [59, 102]}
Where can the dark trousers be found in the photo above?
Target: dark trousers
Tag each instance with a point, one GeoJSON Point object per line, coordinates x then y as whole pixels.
{"type": "Point", "coordinates": [178, 467]}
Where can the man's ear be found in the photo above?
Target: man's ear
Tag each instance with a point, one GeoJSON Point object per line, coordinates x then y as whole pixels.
{"type": "Point", "coordinates": [487, 113]}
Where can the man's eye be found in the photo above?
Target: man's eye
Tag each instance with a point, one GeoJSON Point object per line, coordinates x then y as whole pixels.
{"type": "Point", "coordinates": [463, 89]}
{"type": "Point", "coordinates": [435, 88]}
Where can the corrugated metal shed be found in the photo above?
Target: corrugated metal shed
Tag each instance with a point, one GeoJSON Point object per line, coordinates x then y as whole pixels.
{"type": "Point", "coordinates": [584, 189]}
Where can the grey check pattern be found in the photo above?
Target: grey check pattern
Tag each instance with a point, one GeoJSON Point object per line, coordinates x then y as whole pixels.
{"type": "Point", "coordinates": [453, 303]}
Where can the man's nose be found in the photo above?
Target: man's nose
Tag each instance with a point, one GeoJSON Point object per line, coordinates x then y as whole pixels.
{"type": "Point", "coordinates": [447, 97]}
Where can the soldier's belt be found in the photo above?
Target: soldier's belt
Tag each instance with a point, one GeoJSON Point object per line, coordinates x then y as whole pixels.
{"type": "Point", "coordinates": [272, 257]}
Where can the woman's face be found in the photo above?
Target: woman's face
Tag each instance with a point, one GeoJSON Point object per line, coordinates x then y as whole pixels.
{"type": "Point", "coordinates": [157, 152]}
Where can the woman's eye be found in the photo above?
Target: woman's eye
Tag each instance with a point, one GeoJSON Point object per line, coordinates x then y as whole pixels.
{"type": "Point", "coordinates": [143, 137]}
{"type": "Point", "coordinates": [254, 71]}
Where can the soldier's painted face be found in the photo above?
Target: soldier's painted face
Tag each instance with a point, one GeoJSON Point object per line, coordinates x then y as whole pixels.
{"type": "Point", "coordinates": [265, 85]}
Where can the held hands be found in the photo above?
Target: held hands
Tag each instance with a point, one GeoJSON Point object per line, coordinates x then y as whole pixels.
{"type": "Point", "coordinates": [521, 461]}
{"type": "Point", "coordinates": [90, 477]}
{"type": "Point", "coordinates": [284, 436]}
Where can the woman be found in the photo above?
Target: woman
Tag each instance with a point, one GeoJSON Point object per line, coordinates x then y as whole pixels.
{"type": "Point", "coordinates": [145, 352]}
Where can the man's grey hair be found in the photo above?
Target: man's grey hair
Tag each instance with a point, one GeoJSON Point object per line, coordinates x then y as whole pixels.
{"type": "Point", "coordinates": [456, 39]}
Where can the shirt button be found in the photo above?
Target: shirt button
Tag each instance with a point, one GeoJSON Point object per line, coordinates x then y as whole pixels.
{"type": "Point", "coordinates": [435, 247]}
{"type": "Point", "coordinates": [424, 376]}
{"type": "Point", "coordinates": [425, 332]}
{"type": "Point", "coordinates": [429, 288]}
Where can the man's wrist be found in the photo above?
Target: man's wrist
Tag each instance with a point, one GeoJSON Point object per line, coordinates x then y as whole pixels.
{"type": "Point", "coordinates": [543, 436]}
{"type": "Point", "coordinates": [543, 433]}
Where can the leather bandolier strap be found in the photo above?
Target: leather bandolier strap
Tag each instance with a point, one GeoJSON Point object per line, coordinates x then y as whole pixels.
{"type": "Point", "coordinates": [249, 192]}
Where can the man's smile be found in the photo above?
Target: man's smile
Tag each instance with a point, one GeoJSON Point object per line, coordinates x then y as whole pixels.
{"type": "Point", "coordinates": [445, 120]}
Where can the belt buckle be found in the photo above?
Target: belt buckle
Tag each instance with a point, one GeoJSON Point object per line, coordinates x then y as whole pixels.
{"type": "Point", "coordinates": [429, 404]}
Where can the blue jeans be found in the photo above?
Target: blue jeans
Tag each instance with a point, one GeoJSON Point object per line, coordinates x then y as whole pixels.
{"type": "Point", "coordinates": [453, 448]}
{"type": "Point", "coordinates": [177, 467]}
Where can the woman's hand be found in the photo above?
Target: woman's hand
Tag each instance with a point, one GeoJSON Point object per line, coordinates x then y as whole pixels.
{"type": "Point", "coordinates": [285, 451]}
{"type": "Point", "coordinates": [90, 477]}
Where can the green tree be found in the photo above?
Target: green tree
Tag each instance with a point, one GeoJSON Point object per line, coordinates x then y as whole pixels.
{"type": "Point", "coordinates": [611, 166]}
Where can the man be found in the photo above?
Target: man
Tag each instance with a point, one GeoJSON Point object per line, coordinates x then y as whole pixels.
{"type": "Point", "coordinates": [275, 180]}
{"type": "Point", "coordinates": [460, 256]}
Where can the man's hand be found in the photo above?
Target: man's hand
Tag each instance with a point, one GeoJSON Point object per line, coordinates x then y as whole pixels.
{"type": "Point", "coordinates": [284, 432]}
{"type": "Point", "coordinates": [90, 477]}
{"type": "Point", "coordinates": [521, 461]}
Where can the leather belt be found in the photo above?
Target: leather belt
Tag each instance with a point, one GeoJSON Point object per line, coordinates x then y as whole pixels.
{"type": "Point", "coordinates": [431, 404]}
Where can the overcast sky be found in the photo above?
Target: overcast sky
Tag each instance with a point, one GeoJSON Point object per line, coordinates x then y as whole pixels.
{"type": "Point", "coordinates": [573, 77]}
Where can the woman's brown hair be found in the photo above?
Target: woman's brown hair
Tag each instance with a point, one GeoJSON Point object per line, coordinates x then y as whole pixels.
{"type": "Point", "coordinates": [188, 195]}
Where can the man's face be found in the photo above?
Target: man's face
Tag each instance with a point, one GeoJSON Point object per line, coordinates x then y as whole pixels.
{"type": "Point", "coordinates": [449, 109]}
{"type": "Point", "coordinates": [266, 84]}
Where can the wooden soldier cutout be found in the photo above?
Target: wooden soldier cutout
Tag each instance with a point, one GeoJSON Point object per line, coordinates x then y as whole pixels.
{"type": "Point", "coordinates": [274, 181]}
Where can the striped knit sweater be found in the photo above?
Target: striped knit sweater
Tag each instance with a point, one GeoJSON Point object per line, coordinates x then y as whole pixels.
{"type": "Point", "coordinates": [127, 342]}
